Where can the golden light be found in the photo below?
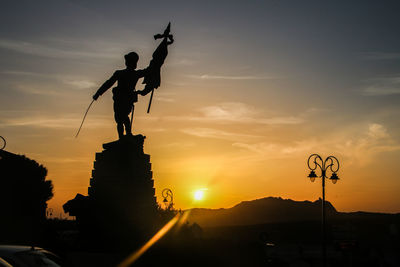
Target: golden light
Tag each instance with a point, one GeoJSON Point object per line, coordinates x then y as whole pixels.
{"type": "Point", "coordinates": [179, 218]}
{"type": "Point", "coordinates": [199, 194]}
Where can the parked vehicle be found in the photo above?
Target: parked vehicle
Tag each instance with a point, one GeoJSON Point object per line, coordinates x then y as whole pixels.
{"type": "Point", "coordinates": [3, 263]}
{"type": "Point", "coordinates": [25, 256]}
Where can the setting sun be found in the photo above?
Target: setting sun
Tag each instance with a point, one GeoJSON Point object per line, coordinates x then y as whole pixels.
{"type": "Point", "coordinates": [199, 194]}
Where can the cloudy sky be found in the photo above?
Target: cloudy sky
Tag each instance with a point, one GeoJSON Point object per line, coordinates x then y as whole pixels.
{"type": "Point", "coordinates": [249, 90]}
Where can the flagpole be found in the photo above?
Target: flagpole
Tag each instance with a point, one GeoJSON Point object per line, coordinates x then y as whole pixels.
{"type": "Point", "coordinates": [151, 99]}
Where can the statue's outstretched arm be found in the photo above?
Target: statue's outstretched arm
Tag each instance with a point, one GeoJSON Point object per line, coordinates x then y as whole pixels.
{"type": "Point", "coordinates": [106, 85]}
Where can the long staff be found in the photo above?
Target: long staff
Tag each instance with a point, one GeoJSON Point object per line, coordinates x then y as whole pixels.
{"type": "Point", "coordinates": [151, 99]}
{"type": "Point", "coordinates": [84, 117]}
{"type": "Point", "coordinates": [133, 110]}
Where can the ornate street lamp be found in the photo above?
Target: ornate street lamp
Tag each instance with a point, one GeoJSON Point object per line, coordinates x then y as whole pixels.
{"type": "Point", "coordinates": [330, 164]}
{"type": "Point", "coordinates": [168, 198]}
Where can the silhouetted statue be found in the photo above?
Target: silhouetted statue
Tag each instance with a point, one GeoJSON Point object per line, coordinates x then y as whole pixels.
{"type": "Point", "coordinates": [125, 94]}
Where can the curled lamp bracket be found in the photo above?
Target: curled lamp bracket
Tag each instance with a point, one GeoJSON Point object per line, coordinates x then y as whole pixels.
{"type": "Point", "coordinates": [3, 142]}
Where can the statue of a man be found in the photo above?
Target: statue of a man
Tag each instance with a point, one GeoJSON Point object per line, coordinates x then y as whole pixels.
{"type": "Point", "coordinates": [125, 94]}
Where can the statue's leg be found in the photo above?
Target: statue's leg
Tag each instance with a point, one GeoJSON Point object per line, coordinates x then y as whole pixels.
{"type": "Point", "coordinates": [120, 129]}
{"type": "Point", "coordinates": [126, 120]}
{"type": "Point", "coordinates": [128, 128]}
{"type": "Point", "coordinates": [119, 119]}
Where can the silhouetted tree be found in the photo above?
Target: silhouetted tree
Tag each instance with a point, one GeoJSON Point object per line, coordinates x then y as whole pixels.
{"type": "Point", "coordinates": [24, 192]}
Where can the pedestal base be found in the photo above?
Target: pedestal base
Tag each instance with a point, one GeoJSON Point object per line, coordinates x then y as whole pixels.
{"type": "Point", "coordinates": [121, 202]}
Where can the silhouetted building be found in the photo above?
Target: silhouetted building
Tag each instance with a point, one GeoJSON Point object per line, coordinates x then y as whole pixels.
{"type": "Point", "coordinates": [24, 192]}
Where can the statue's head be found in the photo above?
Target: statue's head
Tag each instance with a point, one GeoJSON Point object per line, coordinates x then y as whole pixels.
{"type": "Point", "coordinates": [131, 60]}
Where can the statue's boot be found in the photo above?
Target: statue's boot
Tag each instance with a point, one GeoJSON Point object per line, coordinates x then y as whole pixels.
{"type": "Point", "coordinates": [120, 129]}
{"type": "Point", "coordinates": [128, 127]}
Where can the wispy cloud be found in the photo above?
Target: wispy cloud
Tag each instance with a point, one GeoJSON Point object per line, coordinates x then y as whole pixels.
{"type": "Point", "coordinates": [381, 91]}
{"type": "Point", "coordinates": [218, 134]}
{"type": "Point", "coordinates": [53, 122]}
{"type": "Point", "coordinates": [165, 97]}
{"type": "Point", "coordinates": [154, 129]}
{"type": "Point", "coordinates": [265, 150]}
{"type": "Point", "coordinates": [380, 56]}
{"type": "Point", "coordinates": [382, 86]}
{"type": "Point", "coordinates": [75, 81]}
{"type": "Point", "coordinates": [37, 89]}
{"type": "Point", "coordinates": [233, 113]}
{"type": "Point", "coordinates": [236, 112]}
{"type": "Point", "coordinates": [182, 62]}
{"type": "Point", "coordinates": [24, 73]}
{"type": "Point", "coordinates": [54, 51]}
{"type": "Point", "coordinates": [229, 77]}
{"type": "Point", "coordinates": [377, 131]}
{"type": "Point", "coordinates": [180, 145]}
{"type": "Point", "coordinates": [81, 84]}
{"type": "Point", "coordinates": [374, 141]}
{"type": "Point", "coordinates": [358, 148]}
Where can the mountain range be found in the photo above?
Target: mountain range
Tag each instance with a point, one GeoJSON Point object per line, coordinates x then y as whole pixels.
{"type": "Point", "coordinates": [276, 210]}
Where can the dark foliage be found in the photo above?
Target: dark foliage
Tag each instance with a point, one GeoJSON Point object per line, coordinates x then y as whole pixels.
{"type": "Point", "coordinates": [24, 192]}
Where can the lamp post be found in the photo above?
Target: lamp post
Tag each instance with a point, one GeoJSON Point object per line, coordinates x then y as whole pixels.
{"type": "Point", "coordinates": [4, 143]}
{"type": "Point", "coordinates": [168, 198]}
{"type": "Point", "coordinates": [331, 164]}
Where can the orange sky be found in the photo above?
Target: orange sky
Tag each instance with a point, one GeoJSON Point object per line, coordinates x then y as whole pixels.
{"type": "Point", "coordinates": [232, 158]}
{"type": "Point", "coordinates": [249, 91]}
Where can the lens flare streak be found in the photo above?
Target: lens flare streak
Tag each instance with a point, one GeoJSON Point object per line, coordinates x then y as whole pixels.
{"type": "Point", "coordinates": [137, 254]}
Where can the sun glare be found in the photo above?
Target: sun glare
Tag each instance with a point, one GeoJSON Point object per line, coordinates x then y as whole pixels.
{"type": "Point", "coordinates": [199, 195]}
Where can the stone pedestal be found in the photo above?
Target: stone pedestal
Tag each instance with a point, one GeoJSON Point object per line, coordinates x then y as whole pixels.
{"type": "Point", "coordinates": [121, 202]}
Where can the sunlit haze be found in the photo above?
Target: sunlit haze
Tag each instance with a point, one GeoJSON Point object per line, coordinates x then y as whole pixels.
{"type": "Point", "coordinates": [249, 90]}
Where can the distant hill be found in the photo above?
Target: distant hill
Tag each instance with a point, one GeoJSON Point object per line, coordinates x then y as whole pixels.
{"type": "Point", "coordinates": [272, 210]}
